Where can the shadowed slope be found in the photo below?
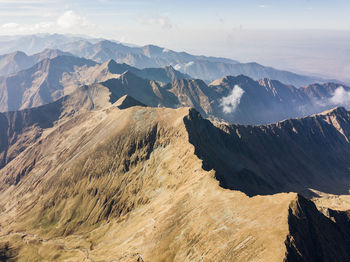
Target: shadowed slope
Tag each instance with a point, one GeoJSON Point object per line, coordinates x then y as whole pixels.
{"type": "Point", "coordinates": [126, 102]}
{"type": "Point", "coordinates": [315, 237]}
{"type": "Point", "coordinates": [292, 155]}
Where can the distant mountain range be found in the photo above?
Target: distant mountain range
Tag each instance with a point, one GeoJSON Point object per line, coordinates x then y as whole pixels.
{"type": "Point", "coordinates": [100, 50]}
{"type": "Point", "coordinates": [257, 102]}
{"type": "Point", "coordinates": [51, 79]}
{"type": "Point", "coordinates": [18, 61]}
{"type": "Point", "coordinates": [32, 44]}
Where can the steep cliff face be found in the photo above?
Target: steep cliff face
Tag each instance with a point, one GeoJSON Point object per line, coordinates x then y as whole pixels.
{"type": "Point", "coordinates": [292, 155]}
{"type": "Point", "coordinates": [315, 237]}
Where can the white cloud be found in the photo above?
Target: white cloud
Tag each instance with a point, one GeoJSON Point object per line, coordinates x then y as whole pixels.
{"type": "Point", "coordinates": [68, 22]}
{"type": "Point", "coordinates": [183, 66]}
{"type": "Point", "coordinates": [70, 19]}
{"type": "Point", "coordinates": [341, 97]}
{"type": "Point", "coordinates": [14, 28]}
{"type": "Point", "coordinates": [10, 26]}
{"type": "Point", "coordinates": [161, 21]}
{"type": "Point", "coordinates": [230, 103]}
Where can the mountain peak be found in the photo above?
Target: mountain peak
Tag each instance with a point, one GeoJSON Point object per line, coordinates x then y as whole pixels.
{"type": "Point", "coordinates": [18, 54]}
{"type": "Point", "coordinates": [220, 81]}
{"type": "Point", "coordinates": [127, 101]}
{"type": "Point", "coordinates": [229, 78]}
{"type": "Point", "coordinates": [110, 63]}
{"type": "Point", "coordinates": [116, 68]}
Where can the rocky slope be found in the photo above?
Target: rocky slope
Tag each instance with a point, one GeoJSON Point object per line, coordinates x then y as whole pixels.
{"type": "Point", "coordinates": [146, 184]}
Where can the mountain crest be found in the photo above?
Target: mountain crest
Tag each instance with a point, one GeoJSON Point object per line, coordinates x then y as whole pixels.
{"type": "Point", "coordinates": [338, 111]}
{"type": "Point", "coordinates": [129, 75]}
{"type": "Point", "coordinates": [127, 101]}
{"type": "Point", "coordinates": [18, 54]}
{"type": "Point", "coordinates": [231, 79]}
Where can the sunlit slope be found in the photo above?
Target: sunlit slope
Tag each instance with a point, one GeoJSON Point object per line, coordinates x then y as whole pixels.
{"type": "Point", "coordinates": [104, 184]}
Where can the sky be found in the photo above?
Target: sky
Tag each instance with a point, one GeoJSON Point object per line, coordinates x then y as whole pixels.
{"type": "Point", "coordinates": [127, 19]}
{"type": "Point", "coordinates": [266, 31]}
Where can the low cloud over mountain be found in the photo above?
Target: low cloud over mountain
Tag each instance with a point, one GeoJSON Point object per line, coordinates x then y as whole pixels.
{"type": "Point", "coordinates": [231, 102]}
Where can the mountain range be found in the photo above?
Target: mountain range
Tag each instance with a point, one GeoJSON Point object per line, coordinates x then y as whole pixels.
{"type": "Point", "coordinates": [51, 79]}
{"type": "Point", "coordinates": [233, 99]}
{"type": "Point", "coordinates": [101, 50]}
{"type": "Point", "coordinates": [18, 61]}
{"type": "Point", "coordinates": [91, 177]}
{"type": "Point", "coordinates": [114, 152]}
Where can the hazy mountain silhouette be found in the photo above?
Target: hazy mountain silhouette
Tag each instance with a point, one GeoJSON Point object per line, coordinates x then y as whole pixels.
{"type": "Point", "coordinates": [18, 61]}
{"type": "Point", "coordinates": [203, 67]}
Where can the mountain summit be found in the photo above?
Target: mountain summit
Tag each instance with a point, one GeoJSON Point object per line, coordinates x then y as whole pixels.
{"type": "Point", "coordinates": [126, 102]}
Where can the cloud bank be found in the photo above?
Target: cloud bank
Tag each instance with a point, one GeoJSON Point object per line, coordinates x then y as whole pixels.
{"type": "Point", "coordinates": [68, 22]}
{"type": "Point", "coordinates": [230, 103]}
